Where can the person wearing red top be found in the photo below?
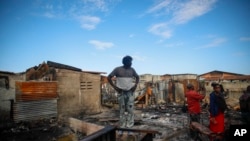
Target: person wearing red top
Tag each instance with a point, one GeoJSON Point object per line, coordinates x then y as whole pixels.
{"type": "Point", "coordinates": [193, 103]}
{"type": "Point", "coordinates": [194, 108]}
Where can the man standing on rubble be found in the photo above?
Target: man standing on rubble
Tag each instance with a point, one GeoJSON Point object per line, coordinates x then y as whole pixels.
{"type": "Point", "coordinates": [126, 83]}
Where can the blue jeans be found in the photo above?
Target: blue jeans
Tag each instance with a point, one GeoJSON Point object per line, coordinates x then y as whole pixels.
{"type": "Point", "coordinates": [126, 106]}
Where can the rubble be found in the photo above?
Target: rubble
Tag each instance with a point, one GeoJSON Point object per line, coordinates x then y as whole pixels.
{"type": "Point", "coordinates": [39, 130]}
{"type": "Point", "coordinates": [171, 123]}
{"type": "Point", "coordinates": [157, 106]}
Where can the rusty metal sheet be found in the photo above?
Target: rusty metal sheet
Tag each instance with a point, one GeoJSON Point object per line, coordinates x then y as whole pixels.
{"type": "Point", "coordinates": [245, 77]}
{"type": "Point", "coordinates": [30, 91]}
{"type": "Point", "coordinates": [33, 110]}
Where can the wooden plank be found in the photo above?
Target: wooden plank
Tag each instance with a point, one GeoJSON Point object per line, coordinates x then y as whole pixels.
{"type": "Point", "coordinates": [201, 128]}
{"type": "Point", "coordinates": [133, 137]}
{"type": "Point", "coordinates": [105, 134]}
{"type": "Point", "coordinates": [112, 119]}
{"type": "Point", "coordinates": [139, 130]}
{"type": "Point", "coordinates": [137, 134]}
{"type": "Point", "coordinates": [84, 127]}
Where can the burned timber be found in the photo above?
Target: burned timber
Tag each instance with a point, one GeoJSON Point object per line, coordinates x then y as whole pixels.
{"type": "Point", "coordinates": [53, 101]}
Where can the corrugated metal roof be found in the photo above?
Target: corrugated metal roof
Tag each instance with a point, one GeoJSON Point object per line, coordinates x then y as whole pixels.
{"type": "Point", "coordinates": [7, 72]}
{"type": "Point", "coordinates": [220, 72]}
{"type": "Point", "coordinates": [62, 66]}
{"type": "Point", "coordinates": [246, 77]}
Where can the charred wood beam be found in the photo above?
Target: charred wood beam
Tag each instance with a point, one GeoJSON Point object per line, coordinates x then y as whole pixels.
{"type": "Point", "coordinates": [203, 130]}
{"type": "Point", "coordinates": [174, 106]}
{"type": "Point", "coordinates": [139, 130]}
{"type": "Point", "coordinates": [149, 134]}
{"type": "Point", "coordinates": [111, 119]}
{"type": "Point", "coordinates": [98, 133]}
{"type": "Point", "coordinates": [105, 134]}
{"type": "Point", "coordinates": [148, 137]}
{"type": "Point", "coordinates": [83, 126]}
{"type": "Point", "coordinates": [166, 138]}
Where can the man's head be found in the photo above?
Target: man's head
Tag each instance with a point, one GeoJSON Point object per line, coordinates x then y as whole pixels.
{"type": "Point", "coordinates": [217, 87]}
{"type": "Point", "coordinates": [127, 61]}
{"type": "Point", "coordinates": [248, 89]}
{"type": "Point", "coordinates": [190, 86]}
{"type": "Point", "coordinates": [213, 84]}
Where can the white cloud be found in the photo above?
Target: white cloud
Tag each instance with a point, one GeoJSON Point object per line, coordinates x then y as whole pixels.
{"type": "Point", "coordinates": [178, 12]}
{"type": "Point", "coordinates": [98, 5]}
{"type": "Point", "coordinates": [174, 45]}
{"type": "Point", "coordinates": [49, 15]}
{"type": "Point", "coordinates": [245, 39]}
{"type": "Point", "coordinates": [191, 10]}
{"type": "Point", "coordinates": [161, 29]}
{"type": "Point", "coordinates": [49, 6]}
{"type": "Point", "coordinates": [101, 45]}
{"type": "Point", "coordinates": [89, 22]}
{"type": "Point", "coordinates": [138, 58]}
{"type": "Point", "coordinates": [214, 43]}
{"type": "Point", "coordinates": [159, 6]}
{"type": "Point", "coordinates": [239, 54]}
{"type": "Point", "coordinates": [77, 10]}
{"type": "Point", "coordinates": [49, 11]}
{"type": "Point", "coordinates": [131, 35]}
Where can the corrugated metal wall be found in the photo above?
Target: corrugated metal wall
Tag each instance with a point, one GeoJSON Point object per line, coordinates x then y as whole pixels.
{"type": "Point", "coordinates": [30, 91]}
{"type": "Point", "coordinates": [35, 100]}
{"type": "Point", "coordinates": [173, 91]}
{"type": "Point", "coordinates": [34, 110]}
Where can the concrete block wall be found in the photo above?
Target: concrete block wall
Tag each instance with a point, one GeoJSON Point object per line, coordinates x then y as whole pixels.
{"type": "Point", "coordinates": [6, 95]}
{"type": "Point", "coordinates": [235, 89]}
{"type": "Point", "coordinates": [92, 95]}
{"type": "Point", "coordinates": [72, 99]}
{"type": "Point", "coordinates": [68, 89]}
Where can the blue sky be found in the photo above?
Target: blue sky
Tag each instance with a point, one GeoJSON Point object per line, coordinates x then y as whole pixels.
{"type": "Point", "coordinates": [162, 36]}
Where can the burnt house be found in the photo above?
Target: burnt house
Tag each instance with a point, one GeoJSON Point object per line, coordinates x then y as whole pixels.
{"type": "Point", "coordinates": [50, 90]}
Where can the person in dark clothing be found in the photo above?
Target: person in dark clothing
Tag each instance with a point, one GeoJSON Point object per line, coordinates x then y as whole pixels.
{"type": "Point", "coordinates": [216, 109]}
{"type": "Point", "coordinates": [244, 101]}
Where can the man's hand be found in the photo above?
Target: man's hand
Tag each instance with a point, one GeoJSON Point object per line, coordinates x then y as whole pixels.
{"type": "Point", "coordinates": [133, 88]}
{"type": "Point", "coordinates": [118, 89]}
